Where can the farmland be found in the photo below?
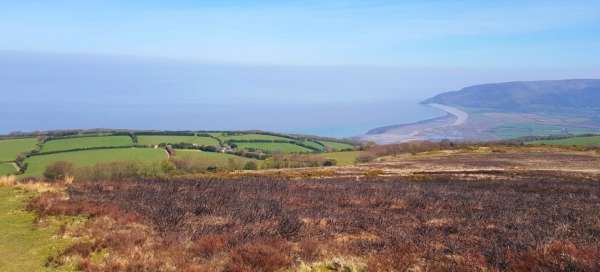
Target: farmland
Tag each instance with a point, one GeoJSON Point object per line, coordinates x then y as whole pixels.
{"type": "Point", "coordinates": [86, 142]}
{"type": "Point", "coordinates": [336, 145]}
{"type": "Point", "coordinates": [207, 159]}
{"type": "Point", "coordinates": [342, 158]}
{"type": "Point", "coordinates": [314, 145]}
{"type": "Point", "coordinates": [171, 139]}
{"type": "Point", "coordinates": [38, 164]}
{"type": "Point", "coordinates": [249, 137]}
{"type": "Point", "coordinates": [584, 141]}
{"type": "Point", "coordinates": [85, 149]}
{"type": "Point", "coordinates": [7, 169]}
{"type": "Point", "coordinates": [10, 149]}
{"type": "Point", "coordinates": [274, 147]}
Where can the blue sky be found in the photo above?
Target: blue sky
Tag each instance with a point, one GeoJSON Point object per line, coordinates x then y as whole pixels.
{"type": "Point", "coordinates": [442, 34]}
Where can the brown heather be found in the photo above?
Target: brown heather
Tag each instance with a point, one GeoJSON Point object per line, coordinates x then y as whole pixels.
{"type": "Point", "coordinates": [517, 221]}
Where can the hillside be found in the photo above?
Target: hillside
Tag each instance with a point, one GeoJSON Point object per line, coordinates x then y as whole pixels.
{"type": "Point", "coordinates": [504, 111]}
{"type": "Point", "coordinates": [525, 95]}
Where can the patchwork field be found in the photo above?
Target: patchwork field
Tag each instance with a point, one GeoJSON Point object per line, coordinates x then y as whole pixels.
{"type": "Point", "coordinates": [342, 158]}
{"type": "Point", "coordinates": [168, 139]}
{"type": "Point", "coordinates": [24, 247]}
{"type": "Point", "coordinates": [274, 147]}
{"type": "Point", "coordinates": [207, 159]}
{"type": "Point", "coordinates": [10, 149]}
{"type": "Point", "coordinates": [314, 145]}
{"type": "Point", "coordinates": [7, 169]}
{"type": "Point", "coordinates": [86, 142]}
{"type": "Point", "coordinates": [588, 140]}
{"type": "Point", "coordinates": [336, 145]}
{"type": "Point", "coordinates": [38, 164]}
{"type": "Point", "coordinates": [250, 136]}
{"type": "Point", "coordinates": [511, 131]}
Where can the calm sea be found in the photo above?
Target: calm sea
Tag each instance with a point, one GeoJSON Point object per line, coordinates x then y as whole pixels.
{"type": "Point", "coordinates": [334, 120]}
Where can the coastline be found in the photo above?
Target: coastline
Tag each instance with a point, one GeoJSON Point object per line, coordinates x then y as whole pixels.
{"type": "Point", "coordinates": [428, 129]}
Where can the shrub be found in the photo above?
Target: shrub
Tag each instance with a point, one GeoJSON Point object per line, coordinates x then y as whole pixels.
{"type": "Point", "coordinates": [365, 157]}
{"type": "Point", "coordinates": [265, 256]}
{"type": "Point", "coordinates": [330, 162]}
{"type": "Point", "coordinates": [58, 170]}
{"type": "Point", "coordinates": [250, 166]}
{"type": "Point", "coordinates": [209, 245]}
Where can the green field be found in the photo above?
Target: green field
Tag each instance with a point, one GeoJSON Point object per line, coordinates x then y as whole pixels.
{"type": "Point", "coordinates": [512, 131]}
{"type": "Point", "coordinates": [7, 169]}
{"type": "Point", "coordinates": [250, 136]}
{"type": "Point", "coordinates": [588, 140]}
{"type": "Point", "coordinates": [342, 158]}
{"type": "Point", "coordinates": [37, 164]}
{"type": "Point", "coordinates": [206, 159]}
{"type": "Point", "coordinates": [336, 145]}
{"type": "Point", "coordinates": [274, 147]}
{"type": "Point", "coordinates": [168, 139]}
{"type": "Point", "coordinates": [314, 145]}
{"type": "Point", "coordinates": [10, 149]}
{"type": "Point", "coordinates": [86, 142]}
{"type": "Point", "coordinates": [23, 246]}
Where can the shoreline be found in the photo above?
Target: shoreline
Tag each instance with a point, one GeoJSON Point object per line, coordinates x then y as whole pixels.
{"type": "Point", "coordinates": [421, 130]}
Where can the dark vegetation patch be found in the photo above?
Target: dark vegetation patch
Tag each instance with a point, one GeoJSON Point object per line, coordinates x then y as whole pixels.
{"type": "Point", "coordinates": [542, 221]}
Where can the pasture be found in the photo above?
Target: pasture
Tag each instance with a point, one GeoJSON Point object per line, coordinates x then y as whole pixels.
{"type": "Point", "coordinates": [10, 149]}
{"type": "Point", "coordinates": [274, 147]}
{"type": "Point", "coordinates": [314, 144]}
{"type": "Point", "coordinates": [24, 247]}
{"type": "Point", "coordinates": [249, 137]}
{"type": "Point", "coordinates": [173, 139]}
{"type": "Point", "coordinates": [511, 131]}
{"type": "Point", "coordinates": [342, 158]}
{"type": "Point", "coordinates": [206, 159]}
{"type": "Point", "coordinates": [336, 145]}
{"type": "Point", "coordinates": [585, 141]}
{"type": "Point", "coordinates": [86, 142]}
{"type": "Point", "coordinates": [37, 164]}
{"type": "Point", "coordinates": [7, 168]}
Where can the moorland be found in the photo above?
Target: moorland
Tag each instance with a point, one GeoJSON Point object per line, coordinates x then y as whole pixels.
{"type": "Point", "coordinates": [520, 205]}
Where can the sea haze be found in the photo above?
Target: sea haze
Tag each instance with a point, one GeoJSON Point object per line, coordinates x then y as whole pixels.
{"type": "Point", "coordinates": [335, 120]}
{"type": "Point", "coordinates": [43, 91]}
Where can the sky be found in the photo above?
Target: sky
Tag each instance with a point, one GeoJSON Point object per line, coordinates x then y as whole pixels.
{"type": "Point", "coordinates": [413, 34]}
{"type": "Point", "coordinates": [328, 67]}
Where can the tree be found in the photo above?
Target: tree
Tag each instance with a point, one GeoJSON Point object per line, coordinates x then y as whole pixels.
{"type": "Point", "coordinates": [58, 170]}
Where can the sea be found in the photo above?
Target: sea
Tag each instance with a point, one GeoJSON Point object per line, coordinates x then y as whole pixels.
{"type": "Point", "coordinates": [342, 120]}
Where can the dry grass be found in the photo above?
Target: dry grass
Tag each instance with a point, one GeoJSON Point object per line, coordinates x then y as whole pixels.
{"type": "Point", "coordinates": [8, 181]}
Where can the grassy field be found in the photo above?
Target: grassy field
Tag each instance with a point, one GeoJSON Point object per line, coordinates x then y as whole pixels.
{"type": "Point", "coordinates": [275, 147]}
{"type": "Point", "coordinates": [314, 145]}
{"type": "Point", "coordinates": [9, 149]}
{"type": "Point", "coordinates": [168, 139]}
{"type": "Point", "coordinates": [37, 164]}
{"type": "Point", "coordinates": [336, 145]}
{"type": "Point", "coordinates": [512, 131]}
{"type": "Point", "coordinates": [86, 142]}
{"type": "Point", "coordinates": [207, 159]}
{"type": "Point", "coordinates": [250, 136]}
{"type": "Point", "coordinates": [24, 247]}
{"type": "Point", "coordinates": [342, 158]}
{"type": "Point", "coordinates": [591, 140]}
{"type": "Point", "coordinates": [7, 169]}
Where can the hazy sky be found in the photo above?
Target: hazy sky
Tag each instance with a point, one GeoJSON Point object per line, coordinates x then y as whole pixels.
{"type": "Point", "coordinates": [442, 34]}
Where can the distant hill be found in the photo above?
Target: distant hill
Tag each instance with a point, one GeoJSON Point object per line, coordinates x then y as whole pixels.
{"type": "Point", "coordinates": [525, 95]}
